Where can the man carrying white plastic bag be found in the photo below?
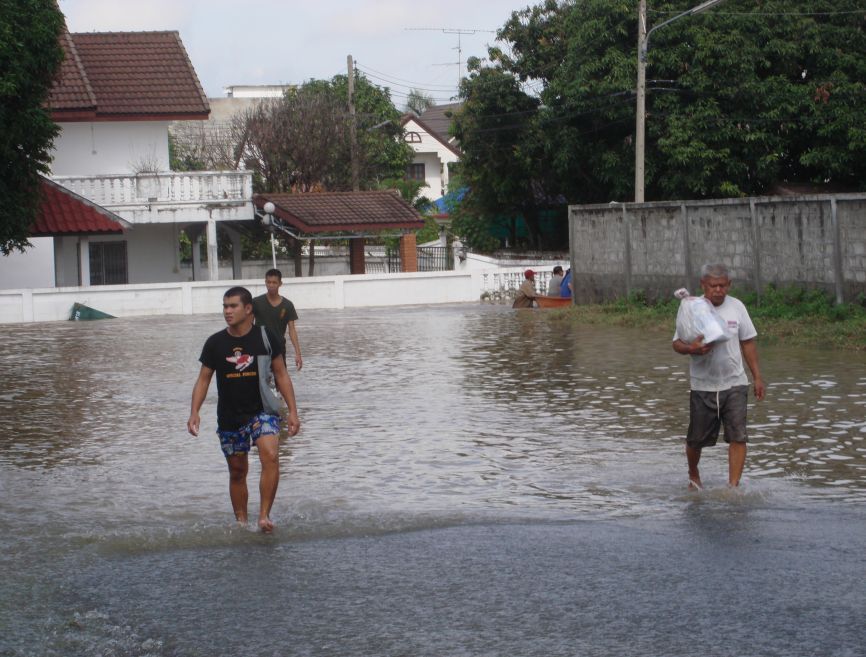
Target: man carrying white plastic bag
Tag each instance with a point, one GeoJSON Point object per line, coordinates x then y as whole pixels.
{"type": "Point", "coordinates": [719, 386]}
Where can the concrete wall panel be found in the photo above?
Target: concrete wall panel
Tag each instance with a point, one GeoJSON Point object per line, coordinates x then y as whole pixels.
{"type": "Point", "coordinates": [812, 241]}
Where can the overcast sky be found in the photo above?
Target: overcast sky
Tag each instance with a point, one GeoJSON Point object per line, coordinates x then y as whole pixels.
{"type": "Point", "coordinates": [235, 42]}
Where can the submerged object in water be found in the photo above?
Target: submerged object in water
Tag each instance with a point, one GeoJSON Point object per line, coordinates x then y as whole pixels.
{"type": "Point", "coordinates": [81, 313]}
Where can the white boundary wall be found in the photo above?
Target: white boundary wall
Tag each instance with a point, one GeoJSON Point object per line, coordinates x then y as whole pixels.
{"type": "Point", "coordinates": [53, 304]}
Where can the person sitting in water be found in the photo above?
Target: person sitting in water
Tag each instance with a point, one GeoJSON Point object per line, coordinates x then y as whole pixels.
{"type": "Point", "coordinates": [565, 286]}
{"type": "Point", "coordinates": [526, 292]}
{"type": "Point", "coordinates": [553, 288]}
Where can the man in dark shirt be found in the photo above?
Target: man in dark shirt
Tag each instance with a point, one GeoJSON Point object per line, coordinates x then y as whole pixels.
{"type": "Point", "coordinates": [277, 312]}
{"type": "Point", "coordinates": [242, 420]}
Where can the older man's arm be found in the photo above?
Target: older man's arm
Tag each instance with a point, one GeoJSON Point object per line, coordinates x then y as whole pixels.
{"type": "Point", "coordinates": [750, 355]}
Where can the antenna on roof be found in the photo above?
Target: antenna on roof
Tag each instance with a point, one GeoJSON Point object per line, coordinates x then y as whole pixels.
{"type": "Point", "coordinates": [452, 30]}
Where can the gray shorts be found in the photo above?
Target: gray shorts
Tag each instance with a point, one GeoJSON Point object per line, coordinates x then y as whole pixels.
{"type": "Point", "coordinates": [709, 411]}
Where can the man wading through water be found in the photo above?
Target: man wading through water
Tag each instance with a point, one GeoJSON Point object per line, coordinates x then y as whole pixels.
{"type": "Point", "coordinates": [242, 417]}
{"type": "Point", "coordinates": [278, 313]}
{"type": "Point", "coordinates": [719, 386]}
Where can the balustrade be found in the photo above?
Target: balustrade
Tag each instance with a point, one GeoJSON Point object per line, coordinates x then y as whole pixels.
{"type": "Point", "coordinates": [170, 188]}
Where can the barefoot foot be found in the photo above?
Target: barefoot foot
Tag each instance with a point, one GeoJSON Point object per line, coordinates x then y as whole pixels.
{"type": "Point", "coordinates": [266, 525]}
{"type": "Point", "coordinates": [694, 473]}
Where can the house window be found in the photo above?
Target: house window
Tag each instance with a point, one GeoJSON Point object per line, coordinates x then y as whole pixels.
{"type": "Point", "coordinates": [108, 263]}
{"type": "Point", "coordinates": [413, 138]}
{"type": "Point", "coordinates": [416, 172]}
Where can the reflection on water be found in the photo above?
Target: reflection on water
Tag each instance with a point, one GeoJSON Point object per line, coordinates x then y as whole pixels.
{"type": "Point", "coordinates": [424, 431]}
{"type": "Point", "coordinates": [461, 407]}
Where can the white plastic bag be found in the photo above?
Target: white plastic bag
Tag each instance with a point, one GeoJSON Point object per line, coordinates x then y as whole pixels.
{"type": "Point", "coordinates": [697, 316]}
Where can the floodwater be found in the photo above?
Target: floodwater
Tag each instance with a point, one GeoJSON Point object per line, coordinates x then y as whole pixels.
{"type": "Point", "coordinates": [469, 480]}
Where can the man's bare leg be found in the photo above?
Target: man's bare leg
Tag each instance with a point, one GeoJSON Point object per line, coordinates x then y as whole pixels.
{"type": "Point", "coordinates": [736, 462]}
{"type": "Point", "coordinates": [269, 455]}
{"type": "Point", "coordinates": [238, 467]}
{"type": "Point", "coordinates": [693, 456]}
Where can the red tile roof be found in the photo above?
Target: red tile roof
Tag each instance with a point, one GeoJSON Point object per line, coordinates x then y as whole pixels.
{"type": "Point", "coordinates": [72, 91]}
{"type": "Point", "coordinates": [62, 212]}
{"type": "Point", "coordinates": [333, 212]}
{"type": "Point", "coordinates": [126, 76]}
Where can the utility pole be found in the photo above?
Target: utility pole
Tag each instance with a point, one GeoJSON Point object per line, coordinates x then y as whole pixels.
{"type": "Point", "coordinates": [640, 119]}
{"type": "Point", "coordinates": [640, 114]}
{"type": "Point", "coordinates": [353, 125]}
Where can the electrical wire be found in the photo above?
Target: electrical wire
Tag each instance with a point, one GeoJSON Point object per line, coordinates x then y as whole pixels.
{"type": "Point", "coordinates": [771, 13]}
{"type": "Point", "coordinates": [367, 69]}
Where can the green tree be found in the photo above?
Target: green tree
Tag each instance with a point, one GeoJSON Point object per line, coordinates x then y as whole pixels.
{"type": "Point", "coordinates": [410, 191]}
{"type": "Point", "coordinates": [503, 160]}
{"type": "Point", "coordinates": [301, 142]}
{"type": "Point", "coordinates": [417, 102]}
{"type": "Point", "coordinates": [745, 96]}
{"type": "Point", "coordinates": [382, 152]}
{"type": "Point", "coordinates": [30, 55]}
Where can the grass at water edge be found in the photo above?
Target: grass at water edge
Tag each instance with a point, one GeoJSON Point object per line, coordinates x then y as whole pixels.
{"type": "Point", "coordinates": [819, 326]}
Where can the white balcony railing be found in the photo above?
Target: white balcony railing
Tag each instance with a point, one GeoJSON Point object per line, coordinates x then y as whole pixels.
{"type": "Point", "coordinates": [171, 187]}
{"type": "Point", "coordinates": [170, 196]}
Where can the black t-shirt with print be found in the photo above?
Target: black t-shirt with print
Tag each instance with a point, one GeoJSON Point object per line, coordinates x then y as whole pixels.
{"type": "Point", "coordinates": [233, 360]}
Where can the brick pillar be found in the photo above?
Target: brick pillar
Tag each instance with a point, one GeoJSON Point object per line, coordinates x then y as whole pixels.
{"type": "Point", "coordinates": [357, 265]}
{"type": "Point", "coordinates": [409, 252]}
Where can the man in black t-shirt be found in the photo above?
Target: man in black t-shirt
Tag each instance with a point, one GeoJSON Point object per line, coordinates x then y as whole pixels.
{"type": "Point", "coordinates": [242, 420]}
{"type": "Point", "coordinates": [278, 313]}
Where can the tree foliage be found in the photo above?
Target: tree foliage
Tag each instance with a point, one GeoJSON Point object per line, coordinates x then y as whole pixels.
{"type": "Point", "coordinates": [301, 142]}
{"type": "Point", "coordinates": [202, 146]}
{"type": "Point", "coordinates": [743, 97]}
{"type": "Point", "coordinates": [417, 102]}
{"type": "Point", "coordinates": [410, 191]}
{"type": "Point", "coordinates": [503, 160]}
{"type": "Point", "coordinates": [30, 55]}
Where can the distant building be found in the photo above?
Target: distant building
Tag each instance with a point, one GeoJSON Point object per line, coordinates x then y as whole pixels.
{"type": "Point", "coordinates": [257, 90]}
{"type": "Point", "coordinates": [219, 134]}
{"type": "Point", "coordinates": [435, 150]}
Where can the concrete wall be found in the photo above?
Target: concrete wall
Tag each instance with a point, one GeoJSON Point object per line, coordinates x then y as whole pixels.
{"type": "Point", "coordinates": [109, 147]}
{"type": "Point", "coordinates": [152, 253]}
{"type": "Point", "coordinates": [67, 254]}
{"type": "Point", "coordinates": [812, 241]}
{"type": "Point", "coordinates": [421, 288]}
{"type": "Point", "coordinates": [433, 174]}
{"type": "Point", "coordinates": [33, 268]}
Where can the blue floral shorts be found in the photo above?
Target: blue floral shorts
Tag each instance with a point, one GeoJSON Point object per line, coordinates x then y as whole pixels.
{"type": "Point", "coordinates": [238, 442]}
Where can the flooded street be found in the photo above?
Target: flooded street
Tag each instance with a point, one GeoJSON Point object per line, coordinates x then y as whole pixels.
{"type": "Point", "coordinates": [468, 480]}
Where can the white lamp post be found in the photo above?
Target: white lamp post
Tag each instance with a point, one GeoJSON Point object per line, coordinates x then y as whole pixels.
{"type": "Point", "coordinates": [268, 221]}
{"type": "Point", "coordinates": [640, 119]}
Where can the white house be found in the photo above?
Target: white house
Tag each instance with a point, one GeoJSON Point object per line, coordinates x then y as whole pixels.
{"type": "Point", "coordinates": [257, 90]}
{"type": "Point", "coordinates": [113, 100]}
{"type": "Point", "coordinates": [434, 149]}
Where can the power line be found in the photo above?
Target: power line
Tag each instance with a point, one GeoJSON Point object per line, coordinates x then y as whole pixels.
{"type": "Point", "coordinates": [772, 13]}
{"type": "Point", "coordinates": [408, 88]}
{"type": "Point", "coordinates": [388, 78]}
